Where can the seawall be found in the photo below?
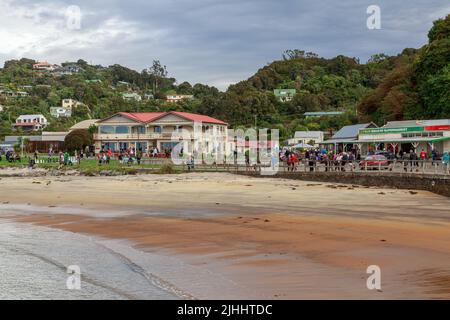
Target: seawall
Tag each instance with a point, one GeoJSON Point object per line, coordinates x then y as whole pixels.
{"type": "Point", "coordinates": [435, 183]}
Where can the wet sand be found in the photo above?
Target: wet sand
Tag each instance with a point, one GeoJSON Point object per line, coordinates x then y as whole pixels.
{"type": "Point", "coordinates": [274, 238]}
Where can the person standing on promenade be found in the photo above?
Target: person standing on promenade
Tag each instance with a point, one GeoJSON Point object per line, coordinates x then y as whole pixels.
{"type": "Point", "coordinates": [66, 158]}
{"type": "Point", "coordinates": [434, 155]}
{"type": "Point", "coordinates": [446, 161]}
{"type": "Point", "coordinates": [405, 159]}
{"type": "Point", "coordinates": [50, 155]}
{"type": "Point", "coordinates": [423, 155]}
{"type": "Point", "coordinates": [293, 160]}
{"type": "Point", "coordinates": [413, 157]}
{"type": "Point", "coordinates": [78, 157]}
{"type": "Point", "coordinates": [139, 156]}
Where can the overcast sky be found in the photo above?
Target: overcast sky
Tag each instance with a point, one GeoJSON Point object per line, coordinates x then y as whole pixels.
{"type": "Point", "coordinates": [217, 42]}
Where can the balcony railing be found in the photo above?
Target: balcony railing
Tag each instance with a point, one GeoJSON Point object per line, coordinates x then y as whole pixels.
{"type": "Point", "coordinates": [144, 136]}
{"type": "Point", "coordinates": [127, 136]}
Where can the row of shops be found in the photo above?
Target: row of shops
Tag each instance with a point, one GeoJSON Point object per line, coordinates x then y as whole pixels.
{"type": "Point", "coordinates": [395, 137]}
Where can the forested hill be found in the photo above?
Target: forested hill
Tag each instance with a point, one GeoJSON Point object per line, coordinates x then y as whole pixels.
{"type": "Point", "coordinates": [412, 84]}
{"type": "Point", "coordinates": [100, 89]}
{"type": "Point", "coordinates": [417, 88]}
{"type": "Point", "coordinates": [337, 84]}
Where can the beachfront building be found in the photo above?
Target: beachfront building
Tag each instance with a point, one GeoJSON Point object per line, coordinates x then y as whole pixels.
{"type": "Point", "coordinates": [84, 125]}
{"type": "Point", "coordinates": [41, 143]}
{"type": "Point", "coordinates": [148, 130]}
{"type": "Point", "coordinates": [178, 97]}
{"type": "Point", "coordinates": [284, 95]}
{"type": "Point", "coordinates": [416, 135]}
{"type": "Point", "coordinates": [31, 122]}
{"type": "Point", "coordinates": [314, 138]}
{"type": "Point", "coordinates": [346, 139]}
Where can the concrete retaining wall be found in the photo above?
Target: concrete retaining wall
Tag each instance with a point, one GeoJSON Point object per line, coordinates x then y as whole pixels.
{"type": "Point", "coordinates": [436, 184]}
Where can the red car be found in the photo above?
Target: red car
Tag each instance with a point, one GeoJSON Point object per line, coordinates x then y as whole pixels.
{"type": "Point", "coordinates": [374, 162]}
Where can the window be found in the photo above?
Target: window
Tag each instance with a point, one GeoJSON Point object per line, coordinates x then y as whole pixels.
{"type": "Point", "coordinates": [106, 129]}
{"type": "Point", "coordinates": [140, 130]}
{"type": "Point", "coordinates": [168, 146]}
{"type": "Point", "coordinates": [122, 129]}
{"type": "Point", "coordinates": [142, 146]}
{"type": "Point", "coordinates": [110, 145]}
{"type": "Point", "coordinates": [124, 146]}
{"type": "Point", "coordinates": [157, 129]}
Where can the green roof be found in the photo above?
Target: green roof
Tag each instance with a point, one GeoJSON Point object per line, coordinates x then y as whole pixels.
{"type": "Point", "coordinates": [284, 92]}
{"type": "Point", "coordinates": [323, 113]}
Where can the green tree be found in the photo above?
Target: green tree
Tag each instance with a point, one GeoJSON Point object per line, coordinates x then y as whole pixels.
{"type": "Point", "coordinates": [78, 140]}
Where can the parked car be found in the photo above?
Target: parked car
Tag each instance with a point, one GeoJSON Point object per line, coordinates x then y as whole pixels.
{"type": "Point", "coordinates": [374, 162]}
{"type": "Point", "coordinates": [388, 154]}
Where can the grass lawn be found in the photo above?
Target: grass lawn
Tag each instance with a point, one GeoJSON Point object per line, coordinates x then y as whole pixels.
{"type": "Point", "coordinates": [86, 165]}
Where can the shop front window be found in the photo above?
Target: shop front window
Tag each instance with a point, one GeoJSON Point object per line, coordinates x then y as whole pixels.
{"type": "Point", "coordinates": [124, 146]}
{"type": "Point", "coordinates": [110, 145]}
{"type": "Point", "coordinates": [142, 146]}
{"type": "Point", "coordinates": [168, 146]}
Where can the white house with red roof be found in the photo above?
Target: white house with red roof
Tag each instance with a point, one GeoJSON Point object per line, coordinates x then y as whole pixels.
{"type": "Point", "coordinates": [163, 130]}
{"type": "Point", "coordinates": [31, 122]}
{"type": "Point", "coordinates": [44, 66]}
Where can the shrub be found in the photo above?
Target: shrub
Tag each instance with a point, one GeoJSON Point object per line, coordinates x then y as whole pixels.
{"type": "Point", "coordinates": [167, 168]}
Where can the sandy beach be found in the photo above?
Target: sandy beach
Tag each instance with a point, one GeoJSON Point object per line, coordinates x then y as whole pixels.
{"type": "Point", "coordinates": [260, 238]}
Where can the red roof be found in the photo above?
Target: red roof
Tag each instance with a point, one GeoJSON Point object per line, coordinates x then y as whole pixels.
{"type": "Point", "coordinates": [152, 116]}
{"type": "Point", "coordinates": [142, 116]}
{"type": "Point", "coordinates": [26, 124]}
{"type": "Point", "coordinates": [198, 117]}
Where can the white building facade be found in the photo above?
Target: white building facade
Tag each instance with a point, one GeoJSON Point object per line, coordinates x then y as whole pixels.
{"type": "Point", "coordinates": [161, 130]}
{"type": "Point", "coordinates": [314, 138]}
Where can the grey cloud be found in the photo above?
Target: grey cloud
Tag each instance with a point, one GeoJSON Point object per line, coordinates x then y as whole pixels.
{"type": "Point", "coordinates": [220, 42]}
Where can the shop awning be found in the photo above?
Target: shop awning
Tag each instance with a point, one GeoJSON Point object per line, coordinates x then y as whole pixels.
{"type": "Point", "coordinates": [405, 140]}
{"type": "Point", "coordinates": [339, 141]}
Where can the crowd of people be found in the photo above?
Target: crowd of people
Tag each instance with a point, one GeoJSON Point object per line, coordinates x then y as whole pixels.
{"type": "Point", "coordinates": [10, 156]}
{"type": "Point", "coordinates": [311, 158]}
{"type": "Point", "coordinates": [339, 161]}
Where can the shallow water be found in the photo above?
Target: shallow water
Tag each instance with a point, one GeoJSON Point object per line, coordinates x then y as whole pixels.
{"type": "Point", "coordinates": [34, 261]}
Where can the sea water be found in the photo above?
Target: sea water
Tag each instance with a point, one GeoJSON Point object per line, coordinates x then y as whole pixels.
{"type": "Point", "coordinates": [34, 261]}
